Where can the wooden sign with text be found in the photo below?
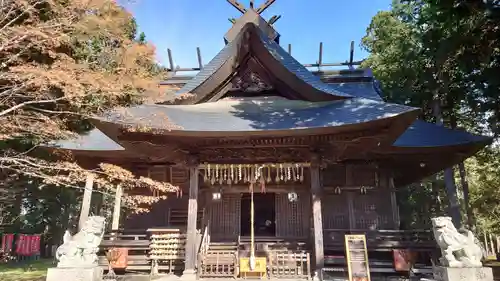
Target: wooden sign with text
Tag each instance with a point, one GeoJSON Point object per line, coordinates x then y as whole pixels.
{"type": "Point", "coordinates": [357, 258]}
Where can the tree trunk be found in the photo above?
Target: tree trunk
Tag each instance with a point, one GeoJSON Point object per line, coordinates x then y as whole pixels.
{"type": "Point", "coordinates": [449, 180]}
{"type": "Point", "coordinates": [437, 203]}
{"type": "Point", "coordinates": [465, 188]}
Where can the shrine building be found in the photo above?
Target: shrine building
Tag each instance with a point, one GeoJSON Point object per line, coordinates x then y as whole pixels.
{"type": "Point", "coordinates": [276, 162]}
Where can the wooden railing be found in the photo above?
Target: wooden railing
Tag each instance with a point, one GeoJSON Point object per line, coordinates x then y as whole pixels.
{"type": "Point", "coordinates": [490, 243]}
{"type": "Point", "coordinates": [218, 263]}
{"type": "Point", "coordinates": [205, 242]}
{"type": "Point", "coordinates": [289, 264]}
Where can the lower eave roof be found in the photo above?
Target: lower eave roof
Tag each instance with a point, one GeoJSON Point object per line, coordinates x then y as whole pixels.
{"type": "Point", "coordinates": [252, 115]}
{"type": "Point", "coordinates": [94, 140]}
{"type": "Point", "coordinates": [421, 151]}
{"type": "Point", "coordinates": [422, 134]}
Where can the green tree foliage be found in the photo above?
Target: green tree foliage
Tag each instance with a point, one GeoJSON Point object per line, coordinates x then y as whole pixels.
{"type": "Point", "coordinates": [484, 181]}
{"type": "Point", "coordinates": [446, 54]}
{"type": "Point", "coordinates": [142, 38]}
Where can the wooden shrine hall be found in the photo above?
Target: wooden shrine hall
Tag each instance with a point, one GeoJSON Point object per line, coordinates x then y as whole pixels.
{"type": "Point", "coordinates": [276, 162]}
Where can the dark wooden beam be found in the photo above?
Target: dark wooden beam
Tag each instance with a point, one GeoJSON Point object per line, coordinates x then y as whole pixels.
{"type": "Point", "coordinates": [200, 62]}
{"type": "Point", "coordinates": [317, 217]}
{"type": "Point", "coordinates": [237, 5]}
{"type": "Point", "coordinates": [333, 64]}
{"type": "Point", "coordinates": [351, 54]}
{"type": "Point", "coordinates": [170, 60]}
{"type": "Point", "coordinates": [191, 253]}
{"type": "Point", "coordinates": [181, 69]}
{"type": "Point", "coordinates": [274, 19]}
{"type": "Point", "coordinates": [264, 6]}
{"type": "Point", "coordinates": [320, 58]}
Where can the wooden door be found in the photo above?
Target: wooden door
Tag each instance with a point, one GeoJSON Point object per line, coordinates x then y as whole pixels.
{"type": "Point", "coordinates": [292, 218]}
{"type": "Point", "coordinates": [224, 218]}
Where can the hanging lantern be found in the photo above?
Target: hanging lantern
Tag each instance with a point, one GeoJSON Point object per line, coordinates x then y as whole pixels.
{"type": "Point", "coordinates": [216, 195]}
{"type": "Point", "coordinates": [293, 197]}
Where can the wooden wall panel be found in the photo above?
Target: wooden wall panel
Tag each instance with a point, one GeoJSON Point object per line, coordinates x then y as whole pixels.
{"type": "Point", "coordinates": [363, 175]}
{"type": "Point", "coordinates": [336, 211]}
{"type": "Point", "coordinates": [292, 218]}
{"type": "Point", "coordinates": [224, 217]}
{"type": "Point", "coordinates": [180, 177]}
{"type": "Point", "coordinates": [349, 175]}
{"type": "Point", "coordinates": [158, 215]}
{"type": "Point", "coordinates": [334, 175]}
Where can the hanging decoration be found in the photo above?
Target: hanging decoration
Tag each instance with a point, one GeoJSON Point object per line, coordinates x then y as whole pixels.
{"type": "Point", "coordinates": [254, 173]}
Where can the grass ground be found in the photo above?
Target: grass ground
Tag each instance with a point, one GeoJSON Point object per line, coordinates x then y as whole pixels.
{"type": "Point", "coordinates": [25, 271]}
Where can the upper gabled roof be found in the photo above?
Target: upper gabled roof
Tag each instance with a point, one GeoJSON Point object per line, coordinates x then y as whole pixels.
{"type": "Point", "coordinates": [209, 69]}
{"type": "Point", "coordinates": [358, 89]}
{"type": "Point", "coordinates": [276, 62]}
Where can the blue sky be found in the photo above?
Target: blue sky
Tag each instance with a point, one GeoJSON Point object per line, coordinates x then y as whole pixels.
{"type": "Point", "coordinates": [183, 25]}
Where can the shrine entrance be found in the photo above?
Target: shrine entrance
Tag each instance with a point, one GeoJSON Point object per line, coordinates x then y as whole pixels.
{"type": "Point", "coordinates": [265, 214]}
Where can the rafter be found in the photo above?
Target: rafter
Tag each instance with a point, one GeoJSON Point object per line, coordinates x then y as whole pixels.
{"type": "Point", "coordinates": [237, 5]}
{"type": "Point", "coordinates": [264, 6]}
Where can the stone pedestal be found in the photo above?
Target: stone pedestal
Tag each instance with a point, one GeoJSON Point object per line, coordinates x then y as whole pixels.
{"type": "Point", "coordinates": [75, 274]}
{"type": "Point", "coordinates": [188, 275]}
{"type": "Point", "coordinates": [463, 274]}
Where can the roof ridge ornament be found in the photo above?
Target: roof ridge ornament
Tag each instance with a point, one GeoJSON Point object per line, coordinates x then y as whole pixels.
{"type": "Point", "coordinates": [243, 9]}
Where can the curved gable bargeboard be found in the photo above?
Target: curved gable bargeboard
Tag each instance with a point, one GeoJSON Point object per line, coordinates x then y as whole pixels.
{"type": "Point", "coordinates": [250, 42]}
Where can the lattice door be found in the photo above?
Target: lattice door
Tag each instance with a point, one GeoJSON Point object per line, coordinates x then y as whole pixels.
{"type": "Point", "coordinates": [292, 218]}
{"type": "Point", "coordinates": [372, 210]}
{"type": "Point", "coordinates": [225, 217]}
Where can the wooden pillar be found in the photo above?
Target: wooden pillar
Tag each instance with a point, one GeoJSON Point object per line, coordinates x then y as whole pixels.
{"type": "Point", "coordinates": [117, 208]}
{"type": "Point", "coordinates": [394, 204]}
{"type": "Point", "coordinates": [87, 196]}
{"type": "Point", "coordinates": [317, 217]}
{"type": "Point", "coordinates": [191, 254]}
{"type": "Point", "coordinates": [350, 197]}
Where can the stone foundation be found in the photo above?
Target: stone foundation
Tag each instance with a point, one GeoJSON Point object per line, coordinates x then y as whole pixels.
{"type": "Point", "coordinates": [74, 274]}
{"type": "Point", "coordinates": [463, 274]}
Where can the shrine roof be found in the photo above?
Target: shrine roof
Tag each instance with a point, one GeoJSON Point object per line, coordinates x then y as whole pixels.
{"type": "Point", "coordinates": [235, 52]}
{"type": "Point", "coordinates": [94, 140]}
{"type": "Point", "coordinates": [358, 89]}
{"type": "Point", "coordinates": [297, 68]}
{"type": "Point", "coordinates": [250, 114]}
{"type": "Point", "coordinates": [209, 69]}
{"type": "Point", "coordinates": [424, 134]}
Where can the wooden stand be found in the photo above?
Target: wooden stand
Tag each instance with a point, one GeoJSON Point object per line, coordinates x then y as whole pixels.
{"type": "Point", "coordinates": [167, 248]}
{"type": "Point", "coordinates": [259, 271]}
